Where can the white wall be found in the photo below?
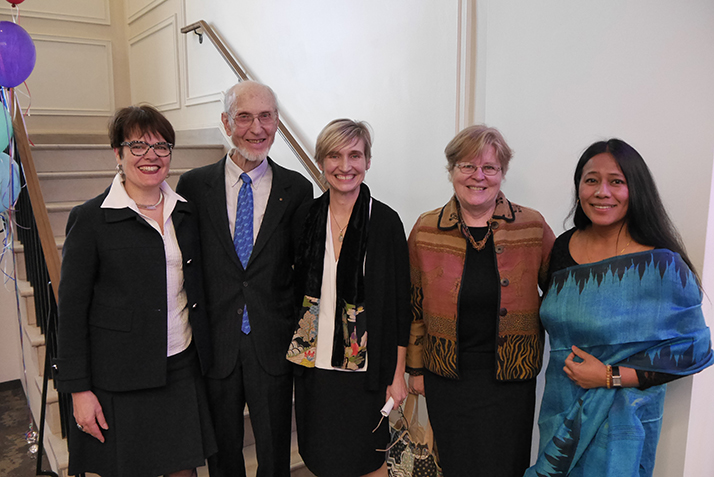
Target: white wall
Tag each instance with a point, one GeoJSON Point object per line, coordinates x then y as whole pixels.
{"type": "Point", "coordinates": [560, 75]}
{"type": "Point", "coordinates": [699, 459]}
{"type": "Point", "coordinates": [393, 64]}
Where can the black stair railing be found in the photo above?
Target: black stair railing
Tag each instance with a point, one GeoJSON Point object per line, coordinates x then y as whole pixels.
{"type": "Point", "coordinates": [33, 230]}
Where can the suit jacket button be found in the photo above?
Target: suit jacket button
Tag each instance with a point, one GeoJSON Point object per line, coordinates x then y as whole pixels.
{"type": "Point", "coordinates": [504, 282]}
{"type": "Point", "coordinates": [498, 248]}
{"type": "Point", "coordinates": [189, 261]}
{"type": "Point", "coordinates": [503, 312]}
{"type": "Point", "coordinates": [245, 284]}
{"type": "Point", "coordinates": [194, 306]}
{"type": "Point", "coordinates": [240, 311]}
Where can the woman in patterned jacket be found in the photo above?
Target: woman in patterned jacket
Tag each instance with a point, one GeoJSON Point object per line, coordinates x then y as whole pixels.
{"type": "Point", "coordinates": [476, 341]}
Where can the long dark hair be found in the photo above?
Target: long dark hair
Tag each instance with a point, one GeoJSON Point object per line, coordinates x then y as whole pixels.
{"type": "Point", "coordinates": [647, 220]}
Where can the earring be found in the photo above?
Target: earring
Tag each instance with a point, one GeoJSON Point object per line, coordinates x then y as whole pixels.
{"type": "Point", "coordinates": [120, 170]}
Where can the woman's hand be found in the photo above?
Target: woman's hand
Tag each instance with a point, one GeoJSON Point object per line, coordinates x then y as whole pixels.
{"type": "Point", "coordinates": [416, 385]}
{"type": "Point", "coordinates": [397, 390]}
{"type": "Point", "coordinates": [88, 414]}
{"type": "Point", "coordinates": [589, 373]}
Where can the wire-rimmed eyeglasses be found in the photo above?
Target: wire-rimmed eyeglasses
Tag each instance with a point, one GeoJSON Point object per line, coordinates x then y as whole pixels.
{"type": "Point", "coordinates": [246, 119]}
{"type": "Point", "coordinates": [140, 148]}
{"type": "Point", "coordinates": [467, 169]}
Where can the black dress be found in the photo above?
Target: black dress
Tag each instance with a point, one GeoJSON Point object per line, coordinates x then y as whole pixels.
{"type": "Point", "coordinates": [481, 426]}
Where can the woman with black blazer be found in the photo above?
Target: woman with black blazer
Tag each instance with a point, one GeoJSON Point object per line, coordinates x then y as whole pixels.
{"type": "Point", "coordinates": [352, 281]}
{"type": "Point", "coordinates": [133, 338]}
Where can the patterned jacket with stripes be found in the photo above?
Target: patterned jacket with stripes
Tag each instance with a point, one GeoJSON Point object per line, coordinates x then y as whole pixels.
{"type": "Point", "coordinates": [437, 252]}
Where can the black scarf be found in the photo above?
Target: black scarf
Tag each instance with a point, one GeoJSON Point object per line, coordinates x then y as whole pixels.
{"type": "Point", "coordinates": [349, 343]}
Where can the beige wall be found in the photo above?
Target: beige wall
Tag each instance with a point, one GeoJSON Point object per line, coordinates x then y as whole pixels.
{"type": "Point", "coordinates": [81, 74]}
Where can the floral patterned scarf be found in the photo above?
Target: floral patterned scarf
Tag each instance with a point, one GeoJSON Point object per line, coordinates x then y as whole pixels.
{"type": "Point", "coordinates": [349, 343]}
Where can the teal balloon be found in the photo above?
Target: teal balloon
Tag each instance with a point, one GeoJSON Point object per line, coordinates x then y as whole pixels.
{"type": "Point", "coordinates": [9, 182]}
{"type": "Point", "coordinates": [5, 128]}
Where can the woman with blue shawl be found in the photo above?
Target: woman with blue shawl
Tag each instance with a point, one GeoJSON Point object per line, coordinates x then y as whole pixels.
{"type": "Point", "coordinates": [623, 312]}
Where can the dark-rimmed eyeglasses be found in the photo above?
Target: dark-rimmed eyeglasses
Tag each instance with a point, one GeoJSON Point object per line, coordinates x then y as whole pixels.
{"type": "Point", "coordinates": [246, 119]}
{"type": "Point", "coordinates": [467, 169]}
{"type": "Point", "coordinates": [140, 148]}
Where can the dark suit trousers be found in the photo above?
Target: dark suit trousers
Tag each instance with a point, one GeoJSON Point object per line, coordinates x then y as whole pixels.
{"type": "Point", "coordinates": [269, 400]}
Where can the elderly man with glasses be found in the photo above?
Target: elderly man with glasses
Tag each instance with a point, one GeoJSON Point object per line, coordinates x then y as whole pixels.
{"type": "Point", "coordinates": [245, 204]}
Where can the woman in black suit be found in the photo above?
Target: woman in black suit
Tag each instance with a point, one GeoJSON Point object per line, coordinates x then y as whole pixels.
{"type": "Point", "coordinates": [132, 335]}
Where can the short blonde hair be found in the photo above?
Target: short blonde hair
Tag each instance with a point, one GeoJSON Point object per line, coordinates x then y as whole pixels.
{"type": "Point", "coordinates": [472, 141]}
{"type": "Point", "coordinates": [340, 133]}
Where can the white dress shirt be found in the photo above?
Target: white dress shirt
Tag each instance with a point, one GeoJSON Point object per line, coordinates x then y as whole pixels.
{"type": "Point", "coordinates": [178, 328]}
{"type": "Point", "coordinates": [262, 182]}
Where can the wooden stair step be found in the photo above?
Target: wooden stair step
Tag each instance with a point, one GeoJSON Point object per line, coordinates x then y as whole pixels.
{"type": "Point", "coordinates": [80, 186]}
{"type": "Point", "coordinates": [80, 157]}
{"type": "Point", "coordinates": [19, 250]}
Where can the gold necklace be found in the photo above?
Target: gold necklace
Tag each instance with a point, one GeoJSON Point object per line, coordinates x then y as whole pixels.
{"type": "Point", "coordinates": [628, 244]}
{"type": "Point", "coordinates": [342, 229]}
{"type": "Point", "coordinates": [587, 249]}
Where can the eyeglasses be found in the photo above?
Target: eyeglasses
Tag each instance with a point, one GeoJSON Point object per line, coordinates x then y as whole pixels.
{"type": "Point", "coordinates": [246, 119]}
{"type": "Point", "coordinates": [140, 148]}
{"type": "Point", "coordinates": [467, 169]}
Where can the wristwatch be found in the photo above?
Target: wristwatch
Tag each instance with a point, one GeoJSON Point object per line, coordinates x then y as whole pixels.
{"type": "Point", "coordinates": [616, 378]}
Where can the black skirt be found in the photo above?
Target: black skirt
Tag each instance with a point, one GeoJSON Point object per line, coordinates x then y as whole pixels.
{"type": "Point", "coordinates": [335, 416]}
{"type": "Point", "coordinates": [481, 426]}
{"type": "Point", "coordinates": [151, 432]}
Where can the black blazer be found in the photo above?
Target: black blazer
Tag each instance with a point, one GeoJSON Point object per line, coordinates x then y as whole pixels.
{"type": "Point", "coordinates": [112, 298]}
{"type": "Point", "coordinates": [265, 285]}
{"type": "Point", "coordinates": [386, 292]}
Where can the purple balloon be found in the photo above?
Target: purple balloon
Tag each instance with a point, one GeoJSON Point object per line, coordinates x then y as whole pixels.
{"type": "Point", "coordinates": [17, 54]}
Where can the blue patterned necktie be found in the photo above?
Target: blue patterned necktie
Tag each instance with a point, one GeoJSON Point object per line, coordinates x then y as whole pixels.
{"type": "Point", "coordinates": [243, 233]}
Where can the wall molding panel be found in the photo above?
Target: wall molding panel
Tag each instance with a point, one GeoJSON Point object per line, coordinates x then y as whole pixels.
{"type": "Point", "coordinates": [201, 88]}
{"type": "Point", "coordinates": [83, 11]}
{"type": "Point", "coordinates": [154, 65]}
{"type": "Point", "coordinates": [72, 77]}
{"type": "Point", "coordinates": [138, 8]}
{"type": "Point", "coordinates": [466, 65]}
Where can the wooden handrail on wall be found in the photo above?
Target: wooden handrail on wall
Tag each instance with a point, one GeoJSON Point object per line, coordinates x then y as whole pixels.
{"type": "Point", "coordinates": [201, 28]}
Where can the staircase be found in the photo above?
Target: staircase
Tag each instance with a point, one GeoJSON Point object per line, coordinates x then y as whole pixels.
{"type": "Point", "coordinates": [69, 175]}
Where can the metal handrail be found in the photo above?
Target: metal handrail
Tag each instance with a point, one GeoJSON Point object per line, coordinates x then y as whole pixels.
{"type": "Point", "coordinates": [201, 28]}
